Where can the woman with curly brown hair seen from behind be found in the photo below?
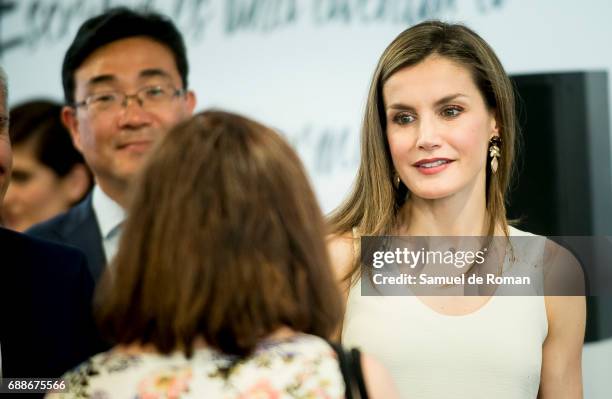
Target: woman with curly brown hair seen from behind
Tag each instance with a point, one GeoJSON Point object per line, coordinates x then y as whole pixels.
{"type": "Point", "coordinates": [222, 286]}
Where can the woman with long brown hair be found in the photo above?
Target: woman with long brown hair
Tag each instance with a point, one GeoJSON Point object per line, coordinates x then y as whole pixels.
{"type": "Point", "coordinates": [221, 287]}
{"type": "Point", "coordinates": [438, 143]}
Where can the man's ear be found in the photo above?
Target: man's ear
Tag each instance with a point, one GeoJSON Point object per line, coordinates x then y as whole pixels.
{"type": "Point", "coordinates": [76, 183]}
{"type": "Point", "coordinates": [71, 123]}
{"type": "Point", "coordinates": [190, 101]}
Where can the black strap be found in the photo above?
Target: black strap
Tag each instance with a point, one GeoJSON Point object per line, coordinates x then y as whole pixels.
{"type": "Point", "coordinates": [350, 366]}
{"type": "Point", "coordinates": [356, 355]}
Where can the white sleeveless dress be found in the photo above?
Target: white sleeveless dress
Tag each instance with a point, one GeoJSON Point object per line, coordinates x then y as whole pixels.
{"type": "Point", "coordinates": [493, 353]}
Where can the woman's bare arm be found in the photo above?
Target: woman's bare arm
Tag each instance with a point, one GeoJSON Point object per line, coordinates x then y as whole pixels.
{"type": "Point", "coordinates": [562, 351]}
{"type": "Point", "coordinates": [341, 254]}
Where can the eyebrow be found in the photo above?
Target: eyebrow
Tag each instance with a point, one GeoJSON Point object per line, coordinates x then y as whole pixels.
{"type": "Point", "coordinates": [145, 73]}
{"type": "Point", "coordinates": [439, 102]}
{"type": "Point", "coordinates": [154, 72]}
{"type": "Point", "coordinates": [101, 79]}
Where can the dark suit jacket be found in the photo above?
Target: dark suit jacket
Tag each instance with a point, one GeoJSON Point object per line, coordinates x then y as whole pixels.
{"type": "Point", "coordinates": [46, 323]}
{"type": "Point", "coordinates": [78, 228]}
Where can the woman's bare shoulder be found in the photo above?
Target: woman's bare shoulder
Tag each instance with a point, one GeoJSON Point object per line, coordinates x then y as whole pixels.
{"type": "Point", "coordinates": [563, 272]}
{"type": "Point", "coordinates": [341, 249]}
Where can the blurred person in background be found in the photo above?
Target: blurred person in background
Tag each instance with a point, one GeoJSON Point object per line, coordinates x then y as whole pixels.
{"type": "Point", "coordinates": [49, 174]}
{"type": "Point", "coordinates": [222, 286]}
{"type": "Point", "coordinates": [125, 85]}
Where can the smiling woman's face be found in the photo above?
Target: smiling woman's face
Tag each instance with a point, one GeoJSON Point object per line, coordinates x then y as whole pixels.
{"type": "Point", "coordinates": [438, 128]}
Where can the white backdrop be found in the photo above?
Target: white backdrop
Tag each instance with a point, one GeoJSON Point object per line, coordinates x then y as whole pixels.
{"type": "Point", "coordinates": [304, 66]}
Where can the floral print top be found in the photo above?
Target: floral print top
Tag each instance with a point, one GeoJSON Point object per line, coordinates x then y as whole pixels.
{"type": "Point", "coordinates": [303, 366]}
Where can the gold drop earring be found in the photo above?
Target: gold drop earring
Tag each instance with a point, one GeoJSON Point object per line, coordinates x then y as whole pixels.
{"type": "Point", "coordinates": [396, 180]}
{"type": "Point", "coordinates": [494, 152]}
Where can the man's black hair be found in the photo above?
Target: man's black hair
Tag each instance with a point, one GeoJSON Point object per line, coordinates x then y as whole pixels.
{"type": "Point", "coordinates": [116, 24]}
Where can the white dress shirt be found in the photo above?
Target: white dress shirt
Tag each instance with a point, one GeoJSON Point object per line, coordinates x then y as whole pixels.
{"type": "Point", "coordinates": [110, 216]}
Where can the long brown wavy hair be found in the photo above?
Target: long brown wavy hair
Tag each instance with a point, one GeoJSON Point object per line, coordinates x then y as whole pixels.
{"type": "Point", "coordinates": [372, 207]}
{"type": "Point", "coordinates": [224, 241]}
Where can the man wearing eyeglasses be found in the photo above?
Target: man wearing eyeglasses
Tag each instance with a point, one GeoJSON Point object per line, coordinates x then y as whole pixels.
{"type": "Point", "coordinates": [125, 84]}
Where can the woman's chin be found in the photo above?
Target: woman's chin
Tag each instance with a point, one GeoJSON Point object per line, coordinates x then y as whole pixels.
{"type": "Point", "coordinates": [433, 193]}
